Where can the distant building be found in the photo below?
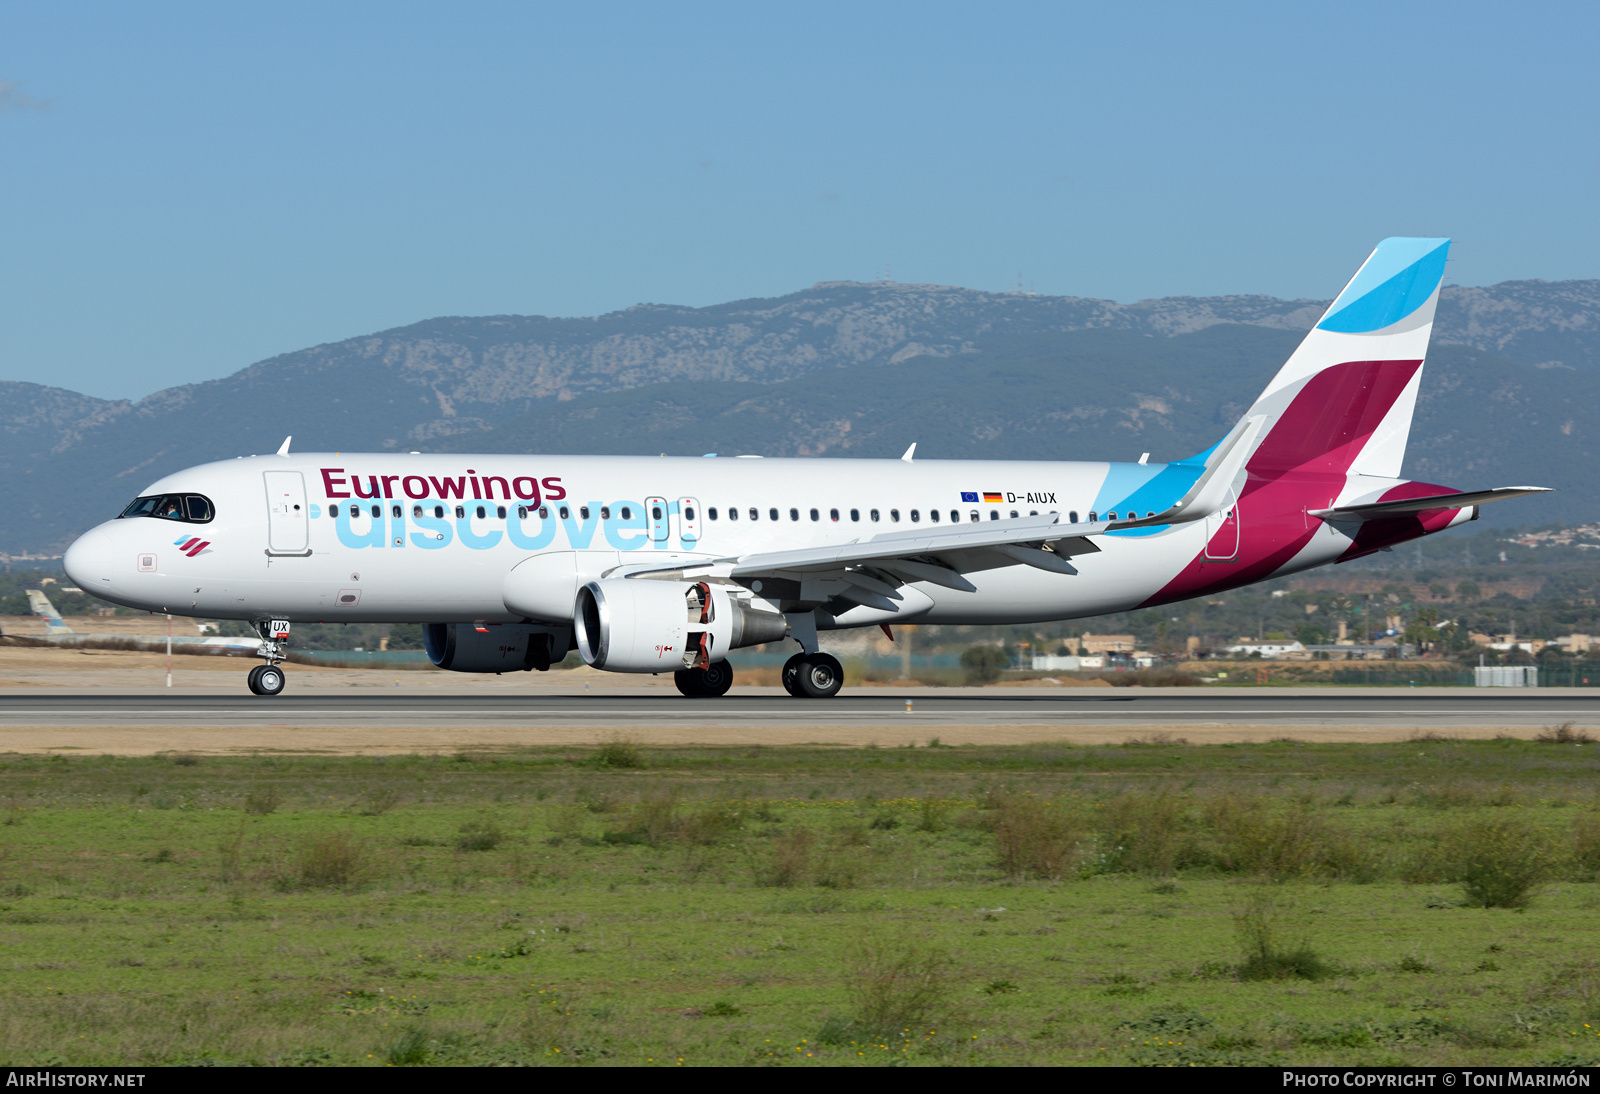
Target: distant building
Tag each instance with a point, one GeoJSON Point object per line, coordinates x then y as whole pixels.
{"type": "Point", "coordinates": [1574, 643]}
{"type": "Point", "coordinates": [1107, 643]}
{"type": "Point", "coordinates": [1265, 649]}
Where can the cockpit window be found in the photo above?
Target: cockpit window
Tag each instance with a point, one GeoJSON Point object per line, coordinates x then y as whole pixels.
{"type": "Point", "coordinates": [189, 508]}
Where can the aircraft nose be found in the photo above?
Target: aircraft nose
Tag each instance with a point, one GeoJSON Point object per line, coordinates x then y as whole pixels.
{"type": "Point", "coordinates": [88, 561]}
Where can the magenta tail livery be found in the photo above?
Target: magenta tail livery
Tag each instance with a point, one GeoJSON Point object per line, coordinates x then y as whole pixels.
{"type": "Point", "coordinates": [665, 565]}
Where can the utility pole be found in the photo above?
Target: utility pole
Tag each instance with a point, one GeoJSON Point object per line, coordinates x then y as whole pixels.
{"type": "Point", "coordinates": [169, 651]}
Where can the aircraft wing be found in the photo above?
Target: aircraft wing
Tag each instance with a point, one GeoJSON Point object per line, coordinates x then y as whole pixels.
{"type": "Point", "coordinates": [936, 554]}
{"type": "Point", "coordinates": [1405, 506]}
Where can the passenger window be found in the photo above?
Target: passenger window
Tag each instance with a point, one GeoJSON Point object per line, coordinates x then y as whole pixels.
{"type": "Point", "coordinates": [1111, 515]}
{"type": "Point", "coordinates": [916, 516]}
{"type": "Point", "coordinates": [397, 511]}
{"type": "Point", "coordinates": [874, 516]}
{"type": "Point", "coordinates": [855, 515]}
{"type": "Point", "coordinates": [655, 512]}
{"type": "Point", "coordinates": [755, 514]}
{"type": "Point", "coordinates": [794, 514]}
{"type": "Point", "coordinates": [605, 512]}
{"type": "Point", "coordinates": [994, 514]}
{"type": "Point", "coordinates": [500, 511]}
{"type": "Point", "coordinates": [688, 513]}
{"type": "Point", "coordinates": [522, 512]}
{"type": "Point", "coordinates": [833, 514]}
{"type": "Point", "coordinates": [377, 512]}
{"type": "Point", "coordinates": [955, 516]}
{"type": "Point", "coordinates": [355, 510]}
{"type": "Point", "coordinates": [564, 513]}
{"type": "Point", "coordinates": [1013, 514]}
{"type": "Point", "coordinates": [461, 511]}
{"type": "Point", "coordinates": [1072, 517]}
{"type": "Point", "coordinates": [933, 515]}
{"type": "Point", "coordinates": [199, 509]}
{"type": "Point", "coordinates": [481, 512]}
{"type": "Point", "coordinates": [1149, 514]}
{"type": "Point", "coordinates": [814, 515]}
{"type": "Point", "coordinates": [1093, 518]}
{"type": "Point", "coordinates": [712, 512]}
{"type": "Point", "coordinates": [627, 513]}
{"type": "Point", "coordinates": [733, 514]}
{"type": "Point", "coordinates": [894, 515]}
{"type": "Point", "coordinates": [416, 510]}
{"type": "Point", "coordinates": [1033, 512]}
{"type": "Point", "coordinates": [544, 512]}
{"type": "Point", "coordinates": [583, 512]}
{"type": "Point", "coordinates": [772, 514]}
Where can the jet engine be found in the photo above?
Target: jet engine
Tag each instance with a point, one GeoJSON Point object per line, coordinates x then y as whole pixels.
{"type": "Point", "coordinates": [625, 625]}
{"type": "Point", "coordinates": [491, 647]}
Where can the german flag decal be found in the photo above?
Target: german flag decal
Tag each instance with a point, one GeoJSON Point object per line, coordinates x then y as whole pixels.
{"type": "Point", "coordinates": [993, 497]}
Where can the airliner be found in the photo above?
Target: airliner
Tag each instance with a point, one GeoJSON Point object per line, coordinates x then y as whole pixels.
{"type": "Point", "coordinates": [668, 564]}
{"type": "Point", "coordinates": [57, 633]}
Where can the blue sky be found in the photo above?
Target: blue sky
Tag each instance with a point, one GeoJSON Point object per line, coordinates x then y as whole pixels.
{"type": "Point", "coordinates": [187, 189]}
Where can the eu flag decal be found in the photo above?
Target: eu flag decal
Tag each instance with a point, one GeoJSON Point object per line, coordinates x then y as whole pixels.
{"type": "Point", "coordinates": [970, 496]}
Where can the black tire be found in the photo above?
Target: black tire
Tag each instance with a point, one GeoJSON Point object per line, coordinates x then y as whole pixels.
{"type": "Point", "coordinates": [822, 676]}
{"type": "Point", "coordinates": [711, 682]}
{"type": "Point", "coordinates": [271, 680]}
{"type": "Point", "coordinates": [790, 675]}
{"type": "Point", "coordinates": [716, 678]}
{"type": "Point", "coordinates": [253, 680]}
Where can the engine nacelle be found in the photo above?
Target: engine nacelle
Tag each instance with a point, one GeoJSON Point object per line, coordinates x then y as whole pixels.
{"type": "Point", "coordinates": [494, 647]}
{"type": "Point", "coordinates": [625, 625]}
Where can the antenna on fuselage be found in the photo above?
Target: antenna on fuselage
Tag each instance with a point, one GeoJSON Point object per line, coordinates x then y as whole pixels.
{"type": "Point", "coordinates": [909, 451]}
{"type": "Point", "coordinates": [284, 449]}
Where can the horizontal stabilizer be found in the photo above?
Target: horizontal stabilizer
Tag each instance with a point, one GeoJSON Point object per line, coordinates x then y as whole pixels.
{"type": "Point", "coordinates": [1404, 506]}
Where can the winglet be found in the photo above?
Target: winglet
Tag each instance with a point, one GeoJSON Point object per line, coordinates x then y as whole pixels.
{"type": "Point", "coordinates": [909, 451]}
{"type": "Point", "coordinates": [283, 450]}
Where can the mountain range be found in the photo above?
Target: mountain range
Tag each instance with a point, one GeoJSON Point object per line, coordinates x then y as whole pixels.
{"type": "Point", "coordinates": [842, 368]}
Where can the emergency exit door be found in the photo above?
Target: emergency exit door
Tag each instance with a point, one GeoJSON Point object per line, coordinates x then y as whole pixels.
{"type": "Point", "coordinates": [1222, 531]}
{"type": "Point", "coordinates": [660, 521]}
{"type": "Point", "coordinates": [288, 523]}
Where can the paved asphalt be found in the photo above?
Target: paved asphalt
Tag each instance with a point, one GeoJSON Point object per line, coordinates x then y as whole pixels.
{"type": "Point", "coordinates": [1430, 708]}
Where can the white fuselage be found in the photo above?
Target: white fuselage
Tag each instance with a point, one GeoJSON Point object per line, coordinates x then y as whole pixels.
{"type": "Point", "coordinates": [296, 537]}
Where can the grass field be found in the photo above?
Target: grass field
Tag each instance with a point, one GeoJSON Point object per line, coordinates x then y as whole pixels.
{"type": "Point", "coordinates": [1425, 902]}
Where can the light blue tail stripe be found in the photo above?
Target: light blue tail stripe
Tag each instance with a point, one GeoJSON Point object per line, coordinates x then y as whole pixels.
{"type": "Point", "coordinates": [1396, 281]}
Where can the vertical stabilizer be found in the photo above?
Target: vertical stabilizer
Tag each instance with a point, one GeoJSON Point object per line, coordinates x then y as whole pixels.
{"type": "Point", "coordinates": [1343, 401]}
{"type": "Point", "coordinates": [53, 623]}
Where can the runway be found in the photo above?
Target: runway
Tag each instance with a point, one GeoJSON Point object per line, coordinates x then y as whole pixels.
{"type": "Point", "coordinates": [375, 720]}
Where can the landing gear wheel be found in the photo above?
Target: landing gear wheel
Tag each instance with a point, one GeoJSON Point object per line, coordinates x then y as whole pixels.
{"type": "Point", "coordinates": [710, 682]}
{"type": "Point", "coordinates": [821, 677]}
{"type": "Point", "coordinates": [688, 681]}
{"type": "Point", "coordinates": [270, 681]}
{"type": "Point", "coordinates": [790, 675]}
{"type": "Point", "coordinates": [716, 678]}
{"type": "Point", "coordinates": [254, 680]}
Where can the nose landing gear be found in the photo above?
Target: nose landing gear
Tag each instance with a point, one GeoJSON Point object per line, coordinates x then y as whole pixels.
{"type": "Point", "coordinates": [266, 680]}
{"type": "Point", "coordinates": [269, 679]}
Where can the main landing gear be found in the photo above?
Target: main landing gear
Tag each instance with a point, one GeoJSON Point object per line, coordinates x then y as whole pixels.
{"type": "Point", "coordinates": [708, 683]}
{"type": "Point", "coordinates": [269, 679]}
{"type": "Point", "coordinates": [813, 676]}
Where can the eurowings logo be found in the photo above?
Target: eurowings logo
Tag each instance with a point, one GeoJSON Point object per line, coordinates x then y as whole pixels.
{"type": "Point", "coordinates": [191, 545]}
